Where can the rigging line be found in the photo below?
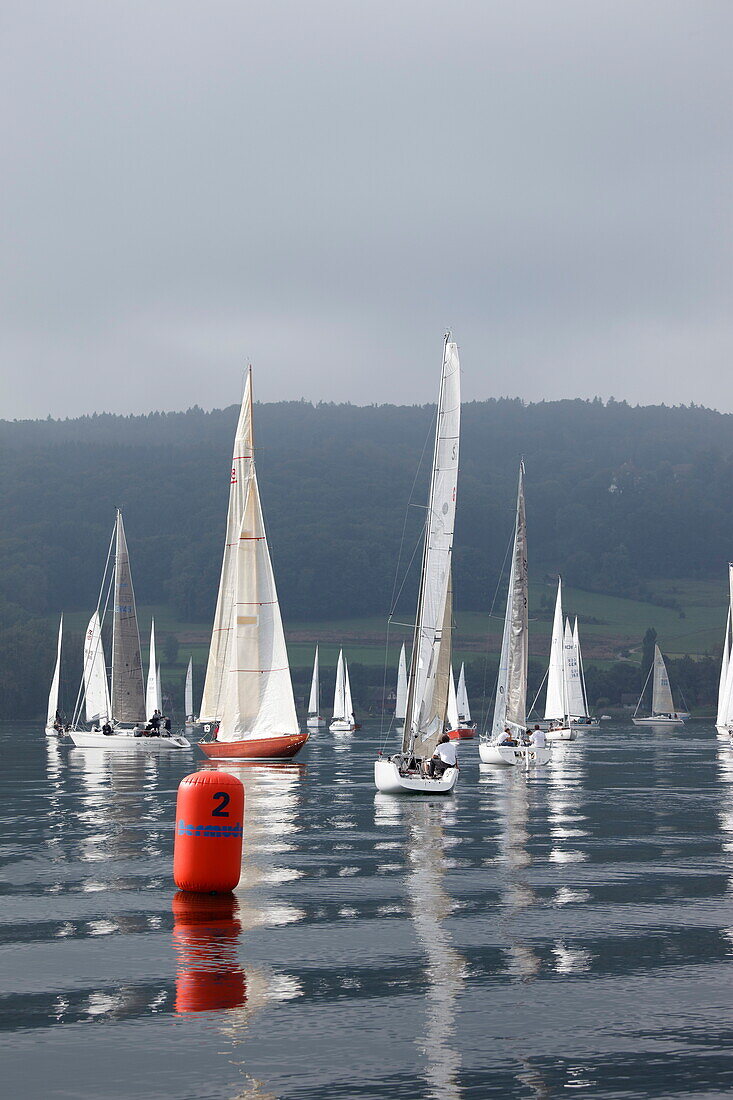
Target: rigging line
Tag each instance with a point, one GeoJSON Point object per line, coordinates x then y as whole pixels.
{"type": "Point", "coordinates": [539, 689]}
{"type": "Point", "coordinates": [484, 708]}
{"type": "Point", "coordinates": [82, 689]}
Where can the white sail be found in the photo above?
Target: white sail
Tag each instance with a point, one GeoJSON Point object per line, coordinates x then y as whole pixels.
{"type": "Point", "coordinates": [96, 689]}
{"type": "Point", "coordinates": [314, 703]}
{"type": "Point", "coordinates": [579, 655]}
{"type": "Point", "coordinates": [464, 711]}
{"type": "Point", "coordinates": [151, 691]}
{"type": "Point", "coordinates": [555, 703]}
{"type": "Point", "coordinates": [188, 691]}
{"type": "Point", "coordinates": [348, 703]}
{"type": "Point", "coordinates": [53, 695]}
{"type": "Point", "coordinates": [451, 717]}
{"type": "Point", "coordinates": [401, 700]}
{"type": "Point", "coordinates": [128, 692]}
{"type": "Point", "coordinates": [339, 700]}
{"type": "Point", "coordinates": [720, 718]}
{"type": "Point", "coordinates": [661, 692]}
{"type": "Point", "coordinates": [241, 473]}
{"type": "Point", "coordinates": [573, 682]}
{"type": "Point", "coordinates": [427, 694]}
{"type": "Point", "coordinates": [257, 694]}
{"type": "Point", "coordinates": [158, 690]}
{"type": "Point", "coordinates": [511, 690]}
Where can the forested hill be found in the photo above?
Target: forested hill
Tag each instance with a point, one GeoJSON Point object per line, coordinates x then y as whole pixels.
{"type": "Point", "coordinates": [616, 495]}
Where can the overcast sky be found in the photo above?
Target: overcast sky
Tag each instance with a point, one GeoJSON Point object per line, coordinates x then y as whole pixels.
{"type": "Point", "coordinates": [321, 188]}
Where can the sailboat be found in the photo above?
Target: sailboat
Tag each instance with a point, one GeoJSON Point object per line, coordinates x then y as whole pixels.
{"type": "Point", "coordinates": [724, 717]}
{"type": "Point", "coordinates": [557, 711]}
{"type": "Point", "coordinates": [510, 705]}
{"type": "Point", "coordinates": [188, 697]}
{"type": "Point", "coordinates": [427, 686]}
{"type": "Point", "coordinates": [343, 707]}
{"type": "Point", "coordinates": [54, 725]}
{"type": "Point", "coordinates": [575, 679]}
{"type": "Point", "coordinates": [314, 720]}
{"type": "Point", "coordinates": [663, 712]}
{"type": "Point", "coordinates": [121, 709]}
{"type": "Point", "coordinates": [460, 726]}
{"type": "Point", "coordinates": [401, 697]}
{"type": "Point", "coordinates": [248, 692]}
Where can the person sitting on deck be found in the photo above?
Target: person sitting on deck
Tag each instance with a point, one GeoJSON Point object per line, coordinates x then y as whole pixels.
{"type": "Point", "coordinates": [106, 729]}
{"type": "Point", "coordinates": [508, 738]}
{"type": "Point", "coordinates": [538, 738]}
{"type": "Point", "coordinates": [444, 757]}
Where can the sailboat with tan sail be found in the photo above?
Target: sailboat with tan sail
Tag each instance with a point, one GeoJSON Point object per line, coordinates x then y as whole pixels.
{"type": "Point", "coordinates": [248, 693]}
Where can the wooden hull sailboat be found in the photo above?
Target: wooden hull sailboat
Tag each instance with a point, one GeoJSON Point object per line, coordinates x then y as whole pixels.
{"type": "Point", "coordinates": [248, 693]}
{"type": "Point", "coordinates": [429, 675]}
{"type": "Point", "coordinates": [510, 706]}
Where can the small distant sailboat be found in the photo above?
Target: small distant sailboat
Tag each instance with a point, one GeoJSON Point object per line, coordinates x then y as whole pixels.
{"type": "Point", "coordinates": [54, 725]}
{"type": "Point", "coordinates": [427, 688]}
{"type": "Point", "coordinates": [460, 726]}
{"type": "Point", "coordinates": [248, 691]}
{"type": "Point", "coordinates": [122, 709]}
{"type": "Point", "coordinates": [401, 698]}
{"type": "Point", "coordinates": [557, 711]}
{"type": "Point", "coordinates": [663, 712]}
{"type": "Point", "coordinates": [314, 720]}
{"type": "Point", "coordinates": [188, 697]}
{"type": "Point", "coordinates": [575, 679]}
{"type": "Point", "coordinates": [510, 706]}
{"type": "Point", "coordinates": [343, 707]}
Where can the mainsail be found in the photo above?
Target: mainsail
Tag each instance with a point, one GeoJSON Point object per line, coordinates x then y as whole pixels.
{"type": "Point", "coordinates": [339, 699]}
{"type": "Point", "coordinates": [152, 696]}
{"type": "Point", "coordinates": [188, 691]}
{"type": "Point", "coordinates": [401, 699]}
{"type": "Point", "coordinates": [451, 717]}
{"type": "Point", "coordinates": [464, 711]}
{"type": "Point", "coordinates": [556, 701]}
{"type": "Point", "coordinates": [427, 694]}
{"type": "Point", "coordinates": [511, 691]}
{"type": "Point", "coordinates": [96, 689]}
{"type": "Point", "coordinates": [256, 700]}
{"type": "Point", "coordinates": [579, 656]}
{"type": "Point", "coordinates": [128, 695]}
{"type": "Point", "coordinates": [725, 690]}
{"type": "Point", "coordinates": [573, 681]}
{"type": "Point", "coordinates": [348, 702]}
{"type": "Point", "coordinates": [53, 695]}
{"type": "Point", "coordinates": [314, 702]}
{"type": "Point", "coordinates": [241, 474]}
{"type": "Point", "coordinates": [661, 692]}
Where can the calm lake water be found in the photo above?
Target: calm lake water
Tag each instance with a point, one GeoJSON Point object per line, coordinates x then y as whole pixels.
{"type": "Point", "coordinates": [567, 929]}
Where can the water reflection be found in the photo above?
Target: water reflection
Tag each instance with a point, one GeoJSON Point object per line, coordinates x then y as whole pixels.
{"type": "Point", "coordinates": [205, 934]}
{"type": "Point", "coordinates": [430, 906]}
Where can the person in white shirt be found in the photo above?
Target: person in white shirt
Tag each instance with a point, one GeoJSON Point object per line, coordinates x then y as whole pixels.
{"type": "Point", "coordinates": [538, 738]}
{"type": "Point", "coordinates": [444, 757]}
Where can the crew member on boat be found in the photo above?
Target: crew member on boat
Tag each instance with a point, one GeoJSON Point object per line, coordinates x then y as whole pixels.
{"type": "Point", "coordinates": [537, 738]}
{"type": "Point", "coordinates": [507, 738]}
{"type": "Point", "coordinates": [444, 757]}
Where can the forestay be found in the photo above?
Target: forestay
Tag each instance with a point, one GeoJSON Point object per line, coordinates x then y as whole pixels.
{"type": "Point", "coordinates": [661, 692]}
{"type": "Point", "coordinates": [257, 695]}
{"type": "Point", "coordinates": [427, 694]}
{"type": "Point", "coordinates": [128, 696]}
{"type": "Point", "coordinates": [511, 691]}
{"type": "Point", "coordinates": [96, 690]}
{"type": "Point", "coordinates": [241, 472]}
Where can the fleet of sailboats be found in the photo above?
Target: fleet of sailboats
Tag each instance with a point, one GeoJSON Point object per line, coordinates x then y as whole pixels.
{"type": "Point", "coordinates": [662, 711]}
{"type": "Point", "coordinates": [428, 678]}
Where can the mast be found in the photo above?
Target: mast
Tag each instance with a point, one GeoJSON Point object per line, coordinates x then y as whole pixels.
{"type": "Point", "coordinates": [510, 706]}
{"type": "Point", "coordinates": [427, 692]}
{"type": "Point", "coordinates": [241, 474]}
{"type": "Point", "coordinates": [128, 695]}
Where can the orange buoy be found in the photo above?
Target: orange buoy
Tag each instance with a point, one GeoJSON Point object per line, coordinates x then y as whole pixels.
{"type": "Point", "coordinates": [207, 857]}
{"type": "Point", "coordinates": [205, 935]}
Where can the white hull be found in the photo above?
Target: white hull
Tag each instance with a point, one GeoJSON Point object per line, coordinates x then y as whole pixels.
{"type": "Point", "coordinates": [389, 781]}
{"type": "Point", "coordinates": [51, 731]}
{"type": "Point", "coordinates": [581, 724]}
{"type": "Point", "coordinates": [340, 725]}
{"type": "Point", "coordinates": [657, 721]}
{"type": "Point", "coordinates": [316, 723]}
{"type": "Point", "coordinates": [564, 733]}
{"type": "Point", "coordinates": [127, 742]}
{"type": "Point", "coordinates": [513, 755]}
